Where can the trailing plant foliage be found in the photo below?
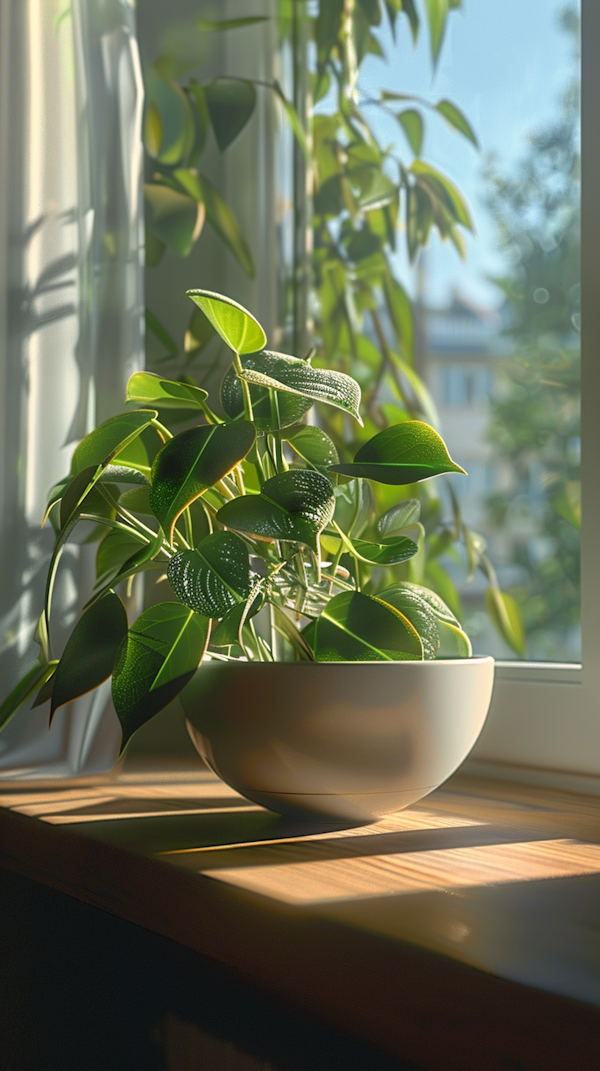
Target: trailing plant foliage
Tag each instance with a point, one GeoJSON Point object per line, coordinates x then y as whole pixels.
{"type": "Point", "coordinates": [270, 546]}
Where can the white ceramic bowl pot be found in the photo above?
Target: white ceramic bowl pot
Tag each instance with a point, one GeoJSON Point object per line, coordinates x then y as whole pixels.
{"type": "Point", "coordinates": [339, 740]}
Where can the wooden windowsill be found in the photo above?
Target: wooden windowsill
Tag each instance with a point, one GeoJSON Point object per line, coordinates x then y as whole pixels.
{"type": "Point", "coordinates": [467, 924]}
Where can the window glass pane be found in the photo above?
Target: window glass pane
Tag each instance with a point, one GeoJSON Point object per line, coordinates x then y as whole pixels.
{"type": "Point", "coordinates": [498, 334]}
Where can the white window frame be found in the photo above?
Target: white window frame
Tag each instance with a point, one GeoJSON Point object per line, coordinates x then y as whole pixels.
{"type": "Point", "coordinates": [544, 721]}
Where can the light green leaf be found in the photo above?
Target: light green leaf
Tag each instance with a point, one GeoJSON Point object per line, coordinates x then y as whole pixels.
{"type": "Point", "coordinates": [192, 462]}
{"type": "Point", "coordinates": [237, 327]}
{"type": "Point", "coordinates": [400, 516]}
{"type": "Point", "coordinates": [173, 217]}
{"type": "Point", "coordinates": [230, 106]}
{"type": "Point", "coordinates": [411, 122]}
{"type": "Point", "coordinates": [169, 126]}
{"type": "Point", "coordinates": [294, 505]}
{"type": "Point", "coordinates": [148, 389]}
{"type": "Point", "coordinates": [278, 371]}
{"type": "Point", "coordinates": [454, 642]}
{"type": "Point", "coordinates": [158, 657]}
{"type": "Point", "coordinates": [441, 190]}
{"type": "Point", "coordinates": [214, 577]}
{"type": "Point", "coordinates": [293, 119]}
{"type": "Point", "coordinates": [456, 119]}
{"type": "Point", "coordinates": [91, 651]}
{"type": "Point", "coordinates": [405, 453]}
{"type": "Point", "coordinates": [506, 616]}
{"type": "Point", "coordinates": [354, 506]}
{"type": "Point", "coordinates": [437, 13]}
{"type": "Point", "coordinates": [355, 627]}
{"type": "Point", "coordinates": [111, 439]}
{"type": "Point", "coordinates": [388, 552]}
{"type": "Point", "coordinates": [222, 219]}
{"type": "Point", "coordinates": [313, 445]}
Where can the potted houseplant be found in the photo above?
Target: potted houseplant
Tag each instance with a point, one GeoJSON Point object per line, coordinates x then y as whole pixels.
{"type": "Point", "coordinates": [268, 545]}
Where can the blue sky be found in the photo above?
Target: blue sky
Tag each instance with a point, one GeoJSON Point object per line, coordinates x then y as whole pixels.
{"type": "Point", "coordinates": [504, 63]}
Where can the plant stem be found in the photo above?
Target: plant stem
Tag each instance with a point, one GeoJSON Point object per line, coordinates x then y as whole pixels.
{"type": "Point", "coordinates": [237, 364]}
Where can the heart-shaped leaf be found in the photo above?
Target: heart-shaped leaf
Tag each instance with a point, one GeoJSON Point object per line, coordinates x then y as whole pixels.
{"type": "Point", "coordinates": [230, 105]}
{"type": "Point", "coordinates": [236, 326]}
{"type": "Point", "coordinates": [173, 217]}
{"type": "Point", "coordinates": [111, 439]}
{"type": "Point", "coordinates": [278, 371]}
{"type": "Point", "coordinates": [192, 462]}
{"type": "Point", "coordinates": [408, 601]}
{"type": "Point", "coordinates": [313, 445]}
{"type": "Point", "coordinates": [355, 627]}
{"type": "Point", "coordinates": [292, 407]}
{"type": "Point", "coordinates": [147, 389]}
{"type": "Point", "coordinates": [402, 454]}
{"type": "Point", "coordinates": [294, 505]}
{"type": "Point", "coordinates": [214, 577]}
{"type": "Point", "coordinates": [159, 655]}
{"type": "Point", "coordinates": [91, 651]}
{"type": "Point", "coordinates": [400, 516]}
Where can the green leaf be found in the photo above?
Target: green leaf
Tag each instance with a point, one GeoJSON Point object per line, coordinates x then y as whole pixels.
{"type": "Point", "coordinates": [456, 119]}
{"type": "Point", "coordinates": [215, 25]}
{"type": "Point", "coordinates": [313, 446]}
{"type": "Point", "coordinates": [169, 126]}
{"type": "Point", "coordinates": [173, 217]}
{"type": "Point", "coordinates": [145, 388]}
{"type": "Point", "coordinates": [293, 119]}
{"type": "Point", "coordinates": [91, 651]}
{"type": "Point", "coordinates": [138, 562]}
{"type": "Point", "coordinates": [113, 552]}
{"type": "Point", "coordinates": [192, 462]}
{"type": "Point", "coordinates": [199, 333]}
{"type": "Point", "coordinates": [389, 552]}
{"type": "Point", "coordinates": [137, 500]}
{"type": "Point", "coordinates": [24, 690]}
{"type": "Point", "coordinates": [278, 371]}
{"type": "Point", "coordinates": [454, 642]}
{"type": "Point", "coordinates": [354, 506]}
{"type": "Point", "coordinates": [409, 8]}
{"type": "Point", "coordinates": [437, 13]}
{"type": "Point", "coordinates": [222, 219]}
{"type": "Point", "coordinates": [230, 105]}
{"type": "Point", "coordinates": [76, 492]}
{"type": "Point", "coordinates": [45, 692]}
{"type": "Point", "coordinates": [292, 407]}
{"type": "Point", "coordinates": [110, 439]}
{"type": "Point", "coordinates": [157, 658]}
{"type": "Point", "coordinates": [400, 516]}
{"type": "Point", "coordinates": [408, 601]}
{"type": "Point", "coordinates": [400, 310]}
{"type": "Point", "coordinates": [411, 122]}
{"type": "Point", "coordinates": [355, 627]}
{"type": "Point", "coordinates": [506, 616]}
{"type": "Point", "coordinates": [442, 191]}
{"type": "Point", "coordinates": [228, 632]}
{"type": "Point", "coordinates": [160, 332]}
{"type": "Point", "coordinates": [237, 327]}
{"type": "Point", "coordinates": [405, 453]}
{"type": "Point", "coordinates": [214, 577]}
{"type": "Point", "coordinates": [294, 505]}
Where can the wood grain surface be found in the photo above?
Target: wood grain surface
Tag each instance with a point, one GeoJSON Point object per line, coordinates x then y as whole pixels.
{"type": "Point", "coordinates": [462, 933]}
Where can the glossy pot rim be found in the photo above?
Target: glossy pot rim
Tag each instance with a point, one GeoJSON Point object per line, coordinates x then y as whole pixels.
{"type": "Point", "coordinates": [477, 660]}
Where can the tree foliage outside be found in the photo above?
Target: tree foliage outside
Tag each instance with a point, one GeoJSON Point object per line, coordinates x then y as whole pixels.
{"type": "Point", "coordinates": [536, 412]}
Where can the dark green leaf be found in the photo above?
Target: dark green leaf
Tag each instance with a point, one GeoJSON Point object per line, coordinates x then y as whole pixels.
{"type": "Point", "coordinates": [148, 389]}
{"type": "Point", "coordinates": [414, 607]}
{"type": "Point", "coordinates": [228, 632]}
{"type": "Point", "coordinates": [45, 692]}
{"type": "Point", "coordinates": [214, 25]}
{"type": "Point", "coordinates": [159, 655]}
{"type": "Point", "coordinates": [409, 7]}
{"type": "Point", "coordinates": [237, 327]}
{"type": "Point", "coordinates": [313, 445]}
{"type": "Point", "coordinates": [278, 371]}
{"type": "Point", "coordinates": [188, 465]}
{"type": "Point", "coordinates": [137, 500]}
{"type": "Point", "coordinates": [160, 332]}
{"type": "Point", "coordinates": [400, 516]}
{"type": "Point", "coordinates": [76, 492]}
{"type": "Point", "coordinates": [327, 28]}
{"type": "Point", "coordinates": [456, 119]}
{"type": "Point", "coordinates": [389, 552]}
{"type": "Point", "coordinates": [91, 651]}
{"type": "Point", "coordinates": [230, 105]}
{"type": "Point", "coordinates": [411, 122]}
{"type": "Point", "coordinates": [173, 217]}
{"type": "Point", "coordinates": [402, 454]}
{"type": "Point", "coordinates": [111, 439]}
{"type": "Point", "coordinates": [214, 577]}
{"type": "Point", "coordinates": [141, 560]}
{"type": "Point", "coordinates": [113, 552]}
{"type": "Point", "coordinates": [359, 628]}
{"type": "Point", "coordinates": [294, 505]}
{"type": "Point", "coordinates": [24, 690]}
{"type": "Point", "coordinates": [292, 407]}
